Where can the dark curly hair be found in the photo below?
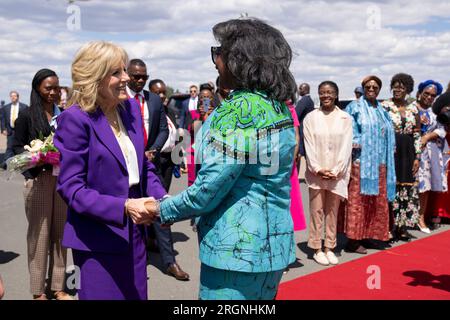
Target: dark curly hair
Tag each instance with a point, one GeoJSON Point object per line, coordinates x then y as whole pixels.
{"type": "Point", "coordinates": [258, 56]}
{"type": "Point", "coordinates": [404, 79]}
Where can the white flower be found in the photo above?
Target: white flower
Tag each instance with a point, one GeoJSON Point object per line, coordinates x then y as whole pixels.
{"type": "Point", "coordinates": [34, 146]}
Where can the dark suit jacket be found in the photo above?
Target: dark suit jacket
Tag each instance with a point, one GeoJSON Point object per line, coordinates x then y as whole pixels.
{"type": "Point", "coordinates": [171, 115]}
{"type": "Point", "coordinates": [304, 106]}
{"type": "Point", "coordinates": [185, 115]}
{"type": "Point", "coordinates": [158, 131]}
{"type": "Point", "coordinates": [6, 116]}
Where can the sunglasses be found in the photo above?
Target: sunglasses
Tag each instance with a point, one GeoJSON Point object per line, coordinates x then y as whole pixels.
{"type": "Point", "coordinates": [376, 88]}
{"type": "Point", "coordinates": [215, 52]}
{"type": "Point", "coordinates": [138, 77]}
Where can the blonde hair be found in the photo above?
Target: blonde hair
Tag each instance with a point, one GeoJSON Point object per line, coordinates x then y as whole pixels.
{"type": "Point", "coordinates": [91, 65]}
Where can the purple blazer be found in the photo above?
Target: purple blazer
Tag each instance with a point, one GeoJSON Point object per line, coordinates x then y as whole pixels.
{"type": "Point", "coordinates": [93, 179]}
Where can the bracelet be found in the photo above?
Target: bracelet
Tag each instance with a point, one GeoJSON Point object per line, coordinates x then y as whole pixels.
{"type": "Point", "coordinates": [158, 205]}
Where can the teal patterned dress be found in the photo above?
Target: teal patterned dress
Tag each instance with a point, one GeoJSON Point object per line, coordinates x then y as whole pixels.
{"type": "Point", "coordinates": [242, 197]}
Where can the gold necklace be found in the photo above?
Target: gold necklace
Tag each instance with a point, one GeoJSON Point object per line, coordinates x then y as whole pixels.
{"type": "Point", "coordinates": [114, 123]}
{"type": "Point", "coordinates": [117, 130]}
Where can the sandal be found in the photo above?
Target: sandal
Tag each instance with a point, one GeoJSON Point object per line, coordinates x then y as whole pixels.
{"type": "Point", "coordinates": [61, 295]}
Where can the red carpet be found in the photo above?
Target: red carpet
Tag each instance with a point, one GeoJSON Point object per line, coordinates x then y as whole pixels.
{"type": "Point", "coordinates": [419, 270]}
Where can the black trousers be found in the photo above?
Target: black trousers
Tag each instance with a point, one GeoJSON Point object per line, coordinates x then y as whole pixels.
{"type": "Point", "coordinates": [165, 169]}
{"type": "Point", "coordinates": [163, 236]}
{"type": "Point", "coordinates": [9, 149]}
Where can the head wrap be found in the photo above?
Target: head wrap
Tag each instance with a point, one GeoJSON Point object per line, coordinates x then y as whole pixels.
{"type": "Point", "coordinates": [428, 83]}
{"type": "Point", "coordinates": [374, 78]}
{"type": "Point", "coordinates": [359, 90]}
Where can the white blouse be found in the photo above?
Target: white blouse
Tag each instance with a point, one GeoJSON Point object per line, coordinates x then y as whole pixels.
{"type": "Point", "coordinates": [129, 153]}
{"type": "Point", "coordinates": [328, 145]}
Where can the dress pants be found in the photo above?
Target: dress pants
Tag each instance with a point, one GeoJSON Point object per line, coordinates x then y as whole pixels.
{"type": "Point", "coordinates": [324, 206]}
{"type": "Point", "coordinates": [46, 214]}
{"type": "Point", "coordinates": [163, 236]}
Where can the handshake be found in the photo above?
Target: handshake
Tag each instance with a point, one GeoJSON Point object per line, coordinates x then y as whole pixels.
{"type": "Point", "coordinates": [142, 210]}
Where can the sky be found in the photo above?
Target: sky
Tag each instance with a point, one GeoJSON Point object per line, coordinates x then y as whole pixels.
{"type": "Point", "coordinates": [342, 41]}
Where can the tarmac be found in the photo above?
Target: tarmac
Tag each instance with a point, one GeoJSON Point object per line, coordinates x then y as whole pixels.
{"type": "Point", "coordinates": [13, 249]}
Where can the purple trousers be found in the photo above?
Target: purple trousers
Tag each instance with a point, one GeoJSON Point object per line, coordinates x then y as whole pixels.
{"type": "Point", "coordinates": [114, 276]}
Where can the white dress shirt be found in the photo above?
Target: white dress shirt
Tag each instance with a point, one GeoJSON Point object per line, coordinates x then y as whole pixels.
{"type": "Point", "coordinates": [129, 153]}
{"type": "Point", "coordinates": [14, 114]}
{"type": "Point", "coordinates": [193, 103]}
{"type": "Point", "coordinates": [146, 119]}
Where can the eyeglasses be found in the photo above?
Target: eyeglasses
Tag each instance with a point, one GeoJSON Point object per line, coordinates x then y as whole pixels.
{"type": "Point", "coordinates": [193, 91]}
{"type": "Point", "coordinates": [138, 77]}
{"type": "Point", "coordinates": [215, 51]}
{"type": "Point", "coordinates": [376, 88]}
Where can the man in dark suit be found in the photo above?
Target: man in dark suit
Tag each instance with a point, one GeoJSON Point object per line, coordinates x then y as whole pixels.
{"type": "Point", "coordinates": [10, 112]}
{"type": "Point", "coordinates": [304, 106]}
{"type": "Point", "coordinates": [155, 132]}
{"type": "Point", "coordinates": [189, 105]}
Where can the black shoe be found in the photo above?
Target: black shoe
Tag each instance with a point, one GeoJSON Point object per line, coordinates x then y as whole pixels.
{"type": "Point", "coordinates": [434, 226]}
{"type": "Point", "coordinates": [355, 246]}
{"type": "Point", "coordinates": [404, 235]}
{"type": "Point", "coordinates": [372, 244]}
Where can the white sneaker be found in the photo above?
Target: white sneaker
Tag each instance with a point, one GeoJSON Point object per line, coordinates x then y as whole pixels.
{"type": "Point", "coordinates": [321, 258]}
{"type": "Point", "coordinates": [332, 257]}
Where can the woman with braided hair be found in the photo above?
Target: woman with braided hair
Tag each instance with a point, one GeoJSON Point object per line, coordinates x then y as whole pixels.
{"type": "Point", "coordinates": [45, 209]}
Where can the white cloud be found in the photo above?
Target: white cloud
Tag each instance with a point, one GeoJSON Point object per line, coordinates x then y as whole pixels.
{"type": "Point", "coordinates": [330, 39]}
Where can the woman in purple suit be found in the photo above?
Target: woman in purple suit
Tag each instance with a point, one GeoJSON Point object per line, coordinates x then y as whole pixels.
{"type": "Point", "coordinates": [104, 177]}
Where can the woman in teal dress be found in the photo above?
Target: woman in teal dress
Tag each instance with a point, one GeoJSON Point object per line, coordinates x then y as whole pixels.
{"type": "Point", "coordinates": [242, 191]}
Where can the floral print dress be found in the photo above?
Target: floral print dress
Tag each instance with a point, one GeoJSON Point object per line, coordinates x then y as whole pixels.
{"type": "Point", "coordinates": [432, 171]}
{"type": "Point", "coordinates": [405, 207]}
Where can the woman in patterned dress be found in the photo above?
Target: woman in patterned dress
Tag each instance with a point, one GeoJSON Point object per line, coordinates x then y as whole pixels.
{"type": "Point", "coordinates": [440, 201]}
{"type": "Point", "coordinates": [372, 180]}
{"type": "Point", "coordinates": [242, 191]}
{"type": "Point", "coordinates": [432, 171]}
{"type": "Point", "coordinates": [405, 118]}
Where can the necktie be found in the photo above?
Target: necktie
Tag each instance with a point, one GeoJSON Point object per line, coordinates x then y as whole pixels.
{"type": "Point", "coordinates": [13, 114]}
{"type": "Point", "coordinates": [142, 106]}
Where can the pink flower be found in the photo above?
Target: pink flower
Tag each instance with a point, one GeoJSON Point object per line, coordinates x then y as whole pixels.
{"type": "Point", "coordinates": [52, 157]}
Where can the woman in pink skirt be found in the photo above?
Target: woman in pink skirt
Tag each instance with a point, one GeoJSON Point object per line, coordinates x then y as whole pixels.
{"type": "Point", "coordinates": [298, 216]}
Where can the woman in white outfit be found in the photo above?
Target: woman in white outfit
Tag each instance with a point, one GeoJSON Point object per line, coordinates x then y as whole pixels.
{"type": "Point", "coordinates": [328, 143]}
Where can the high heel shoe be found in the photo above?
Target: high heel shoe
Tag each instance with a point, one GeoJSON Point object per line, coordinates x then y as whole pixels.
{"type": "Point", "coordinates": [424, 230]}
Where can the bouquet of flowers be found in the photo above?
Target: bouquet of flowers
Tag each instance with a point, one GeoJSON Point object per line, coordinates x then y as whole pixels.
{"type": "Point", "coordinates": [38, 153]}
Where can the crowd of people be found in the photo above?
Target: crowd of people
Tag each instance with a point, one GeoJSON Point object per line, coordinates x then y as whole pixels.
{"type": "Point", "coordinates": [374, 169]}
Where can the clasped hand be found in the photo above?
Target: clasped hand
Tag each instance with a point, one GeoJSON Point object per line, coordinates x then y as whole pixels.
{"type": "Point", "coordinates": [142, 210]}
{"type": "Point", "coordinates": [326, 174]}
